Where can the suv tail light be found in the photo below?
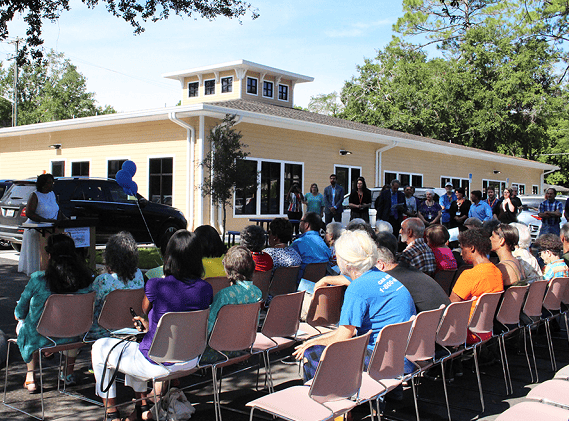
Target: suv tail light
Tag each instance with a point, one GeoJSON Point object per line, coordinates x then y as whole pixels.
{"type": "Point", "coordinates": [536, 217]}
{"type": "Point", "coordinates": [23, 213]}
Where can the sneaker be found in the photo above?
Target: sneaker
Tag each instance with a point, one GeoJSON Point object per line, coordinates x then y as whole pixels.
{"type": "Point", "coordinates": [70, 380]}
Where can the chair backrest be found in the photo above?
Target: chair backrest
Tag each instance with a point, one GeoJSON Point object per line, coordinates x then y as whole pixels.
{"type": "Point", "coordinates": [388, 358]}
{"type": "Point", "coordinates": [218, 283]}
{"type": "Point", "coordinates": [554, 294]}
{"type": "Point", "coordinates": [180, 336]}
{"type": "Point", "coordinates": [534, 299]}
{"type": "Point", "coordinates": [115, 313]}
{"type": "Point", "coordinates": [421, 345]}
{"type": "Point", "coordinates": [262, 280]}
{"type": "Point", "coordinates": [339, 372]}
{"type": "Point", "coordinates": [284, 280]}
{"type": "Point", "coordinates": [325, 307]}
{"type": "Point", "coordinates": [444, 278]}
{"type": "Point", "coordinates": [283, 316]}
{"type": "Point", "coordinates": [482, 320]}
{"type": "Point", "coordinates": [67, 315]}
{"type": "Point", "coordinates": [235, 328]}
{"type": "Point", "coordinates": [454, 324]}
{"type": "Point", "coordinates": [509, 312]}
{"type": "Point", "coordinates": [315, 271]}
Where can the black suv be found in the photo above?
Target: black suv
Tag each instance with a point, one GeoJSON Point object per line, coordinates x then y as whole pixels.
{"type": "Point", "coordinates": [97, 198]}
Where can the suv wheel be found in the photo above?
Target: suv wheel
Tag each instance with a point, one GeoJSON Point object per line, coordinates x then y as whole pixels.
{"type": "Point", "coordinates": [167, 231]}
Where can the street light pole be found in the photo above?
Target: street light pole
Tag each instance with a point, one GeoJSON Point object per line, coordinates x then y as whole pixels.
{"type": "Point", "coordinates": [15, 102]}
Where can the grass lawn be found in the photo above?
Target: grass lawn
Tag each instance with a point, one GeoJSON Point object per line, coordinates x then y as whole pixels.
{"type": "Point", "coordinates": [148, 257]}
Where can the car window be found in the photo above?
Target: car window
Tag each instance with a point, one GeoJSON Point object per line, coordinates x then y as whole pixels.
{"type": "Point", "coordinates": [118, 195]}
{"type": "Point", "coordinates": [18, 193]}
{"type": "Point", "coordinates": [92, 190]}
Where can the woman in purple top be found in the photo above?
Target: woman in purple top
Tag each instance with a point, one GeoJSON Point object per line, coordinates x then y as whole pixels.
{"type": "Point", "coordinates": [182, 289]}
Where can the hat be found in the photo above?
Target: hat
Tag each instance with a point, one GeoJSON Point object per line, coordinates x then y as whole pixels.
{"type": "Point", "coordinates": [473, 222]}
{"type": "Point", "coordinates": [448, 184]}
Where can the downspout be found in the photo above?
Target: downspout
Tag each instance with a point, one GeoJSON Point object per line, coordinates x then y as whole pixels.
{"type": "Point", "coordinates": [378, 160]}
{"type": "Point", "coordinates": [542, 181]}
{"type": "Point", "coordinates": [191, 139]}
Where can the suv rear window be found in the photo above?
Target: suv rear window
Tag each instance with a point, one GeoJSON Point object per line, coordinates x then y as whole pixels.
{"type": "Point", "coordinates": [19, 193]}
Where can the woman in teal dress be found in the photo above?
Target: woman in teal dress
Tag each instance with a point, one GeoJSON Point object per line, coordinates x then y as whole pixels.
{"type": "Point", "coordinates": [314, 201]}
{"type": "Point", "coordinates": [65, 273]}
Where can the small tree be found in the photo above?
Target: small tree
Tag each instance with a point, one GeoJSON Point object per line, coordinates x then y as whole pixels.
{"type": "Point", "coordinates": [223, 165]}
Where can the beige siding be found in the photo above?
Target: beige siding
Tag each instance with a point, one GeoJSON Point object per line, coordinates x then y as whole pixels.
{"type": "Point", "coordinates": [218, 96]}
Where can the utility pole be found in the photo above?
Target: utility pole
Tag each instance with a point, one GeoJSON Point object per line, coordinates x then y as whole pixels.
{"type": "Point", "coordinates": [16, 42]}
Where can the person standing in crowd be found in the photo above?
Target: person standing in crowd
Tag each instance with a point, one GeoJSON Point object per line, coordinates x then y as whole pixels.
{"type": "Point", "coordinates": [333, 198]}
{"type": "Point", "coordinates": [295, 200]}
{"type": "Point", "coordinates": [506, 210]}
{"type": "Point", "coordinates": [391, 205]}
{"type": "Point", "coordinates": [459, 210]}
{"type": "Point", "coordinates": [314, 201]}
{"type": "Point", "coordinates": [550, 250]}
{"type": "Point", "coordinates": [417, 253]}
{"type": "Point", "coordinates": [550, 211]}
{"type": "Point", "coordinates": [41, 207]}
{"type": "Point", "coordinates": [491, 198]}
{"type": "Point", "coordinates": [360, 201]}
{"type": "Point", "coordinates": [310, 246]}
{"type": "Point", "coordinates": [411, 201]}
{"type": "Point", "coordinates": [445, 201]}
{"type": "Point", "coordinates": [479, 209]}
{"type": "Point", "coordinates": [253, 238]}
{"type": "Point", "coordinates": [430, 212]}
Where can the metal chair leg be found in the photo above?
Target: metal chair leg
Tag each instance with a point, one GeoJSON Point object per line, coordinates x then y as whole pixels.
{"type": "Point", "coordinates": [445, 389]}
{"type": "Point", "coordinates": [478, 377]}
{"type": "Point", "coordinates": [415, 398]}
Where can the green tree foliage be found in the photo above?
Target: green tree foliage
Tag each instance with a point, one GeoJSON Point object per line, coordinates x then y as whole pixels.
{"type": "Point", "coordinates": [223, 165]}
{"type": "Point", "coordinates": [327, 104]}
{"type": "Point", "coordinates": [134, 12]}
{"type": "Point", "coordinates": [48, 91]}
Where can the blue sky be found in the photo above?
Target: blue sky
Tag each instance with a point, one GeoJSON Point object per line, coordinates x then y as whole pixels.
{"type": "Point", "coordinates": [322, 39]}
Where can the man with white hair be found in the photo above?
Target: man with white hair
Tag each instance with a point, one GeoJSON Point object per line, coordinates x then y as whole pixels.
{"type": "Point", "coordinates": [417, 253]}
{"type": "Point", "coordinates": [372, 300]}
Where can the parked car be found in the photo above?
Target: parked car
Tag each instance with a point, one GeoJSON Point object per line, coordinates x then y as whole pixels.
{"type": "Point", "coordinates": [5, 185]}
{"type": "Point", "coordinates": [530, 209]}
{"type": "Point", "coordinates": [420, 193]}
{"type": "Point", "coordinates": [99, 198]}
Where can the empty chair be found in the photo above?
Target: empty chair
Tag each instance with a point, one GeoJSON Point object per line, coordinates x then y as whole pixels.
{"type": "Point", "coordinates": [445, 279]}
{"type": "Point", "coordinates": [532, 310]}
{"type": "Point", "coordinates": [554, 391]}
{"type": "Point", "coordinates": [531, 411]}
{"type": "Point", "coordinates": [324, 311]}
{"type": "Point", "coordinates": [218, 283]}
{"type": "Point", "coordinates": [552, 304]}
{"type": "Point", "coordinates": [563, 373]}
{"type": "Point", "coordinates": [315, 271]}
{"type": "Point", "coordinates": [115, 313]}
{"type": "Point", "coordinates": [338, 378]}
{"type": "Point", "coordinates": [509, 317]}
{"type": "Point", "coordinates": [262, 281]}
{"type": "Point", "coordinates": [284, 280]}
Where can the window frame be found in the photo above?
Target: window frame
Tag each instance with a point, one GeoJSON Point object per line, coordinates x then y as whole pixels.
{"type": "Point", "coordinates": [230, 85]}
{"type": "Point", "coordinates": [287, 92]}
{"type": "Point", "coordinates": [501, 183]}
{"type": "Point", "coordinates": [272, 96]}
{"type": "Point", "coordinates": [150, 157]}
{"type": "Point", "coordinates": [258, 193]}
{"type": "Point", "coordinates": [205, 87]}
{"type": "Point", "coordinates": [51, 161]}
{"type": "Point", "coordinates": [398, 177]}
{"type": "Point", "coordinates": [348, 189]}
{"type": "Point", "coordinates": [256, 85]}
{"type": "Point", "coordinates": [523, 187]}
{"type": "Point", "coordinates": [80, 161]}
{"type": "Point", "coordinates": [115, 159]}
{"type": "Point", "coordinates": [534, 188]}
{"type": "Point", "coordinates": [197, 90]}
{"type": "Point", "coordinates": [460, 179]}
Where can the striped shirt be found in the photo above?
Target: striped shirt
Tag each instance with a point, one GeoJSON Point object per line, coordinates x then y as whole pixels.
{"type": "Point", "coordinates": [556, 269]}
{"type": "Point", "coordinates": [547, 206]}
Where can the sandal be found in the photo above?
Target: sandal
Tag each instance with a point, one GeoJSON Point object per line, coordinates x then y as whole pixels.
{"type": "Point", "coordinates": [31, 386]}
{"type": "Point", "coordinates": [141, 409]}
{"type": "Point", "coordinates": [114, 415]}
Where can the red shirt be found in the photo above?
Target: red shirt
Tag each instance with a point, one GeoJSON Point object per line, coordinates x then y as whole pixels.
{"type": "Point", "coordinates": [263, 261]}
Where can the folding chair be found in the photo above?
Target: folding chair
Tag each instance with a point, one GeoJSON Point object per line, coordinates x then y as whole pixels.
{"type": "Point", "coordinates": [481, 322]}
{"type": "Point", "coordinates": [235, 329]}
{"type": "Point", "coordinates": [532, 310]}
{"type": "Point", "coordinates": [284, 280]}
{"type": "Point", "coordinates": [421, 346]}
{"type": "Point", "coordinates": [279, 328]}
{"type": "Point", "coordinates": [531, 411]}
{"type": "Point", "coordinates": [387, 364]}
{"type": "Point", "coordinates": [262, 281]}
{"type": "Point", "coordinates": [115, 313]}
{"type": "Point", "coordinates": [563, 373]}
{"type": "Point", "coordinates": [552, 304]}
{"type": "Point", "coordinates": [509, 315]}
{"type": "Point", "coordinates": [64, 316]}
{"type": "Point", "coordinates": [338, 379]}
{"type": "Point", "coordinates": [218, 283]}
{"type": "Point", "coordinates": [552, 392]}
{"type": "Point", "coordinates": [452, 333]}
{"type": "Point", "coordinates": [445, 279]}
{"type": "Point", "coordinates": [324, 311]}
{"type": "Point", "coordinates": [315, 271]}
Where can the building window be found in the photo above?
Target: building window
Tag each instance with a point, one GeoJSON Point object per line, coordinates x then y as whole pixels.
{"type": "Point", "coordinates": [209, 87]}
{"type": "Point", "coordinates": [498, 185]}
{"type": "Point", "coordinates": [161, 171]}
{"type": "Point", "coordinates": [276, 178]}
{"type": "Point", "coordinates": [347, 177]}
{"type": "Point", "coordinates": [534, 189]}
{"type": "Point", "coordinates": [114, 166]}
{"type": "Point", "coordinates": [283, 92]}
{"type": "Point", "coordinates": [193, 89]}
{"type": "Point", "coordinates": [80, 169]}
{"type": "Point", "coordinates": [58, 168]}
{"type": "Point", "coordinates": [521, 188]}
{"type": "Point", "coordinates": [252, 86]}
{"type": "Point", "coordinates": [456, 183]}
{"type": "Point", "coordinates": [268, 89]}
{"type": "Point", "coordinates": [406, 179]}
{"type": "Point", "coordinates": [226, 85]}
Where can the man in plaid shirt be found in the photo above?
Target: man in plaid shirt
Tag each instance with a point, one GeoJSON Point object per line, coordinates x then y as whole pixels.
{"type": "Point", "coordinates": [417, 253]}
{"type": "Point", "coordinates": [550, 211]}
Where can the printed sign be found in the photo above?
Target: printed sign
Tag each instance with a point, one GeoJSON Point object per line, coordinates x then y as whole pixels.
{"type": "Point", "coordinates": [81, 236]}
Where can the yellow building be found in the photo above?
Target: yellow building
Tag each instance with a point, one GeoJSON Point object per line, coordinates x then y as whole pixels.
{"type": "Point", "coordinates": [285, 145]}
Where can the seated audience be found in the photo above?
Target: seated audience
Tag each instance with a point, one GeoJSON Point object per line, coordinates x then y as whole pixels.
{"type": "Point", "coordinates": [333, 232]}
{"type": "Point", "coordinates": [310, 245]}
{"type": "Point", "coordinates": [280, 235]}
{"type": "Point", "coordinates": [532, 271]}
{"type": "Point", "coordinates": [504, 238]}
{"type": "Point", "coordinates": [472, 223]}
{"type": "Point", "coordinates": [550, 250]}
{"type": "Point", "coordinates": [121, 260]}
{"type": "Point", "coordinates": [213, 250]}
{"type": "Point", "coordinates": [417, 253]}
{"type": "Point", "coordinates": [253, 238]}
{"type": "Point", "coordinates": [483, 277]}
{"type": "Point", "coordinates": [437, 237]}
{"type": "Point", "coordinates": [372, 300]}
{"type": "Point", "coordinates": [182, 289]}
{"type": "Point", "coordinates": [383, 226]}
{"type": "Point", "coordinates": [564, 237]}
{"type": "Point", "coordinates": [66, 273]}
